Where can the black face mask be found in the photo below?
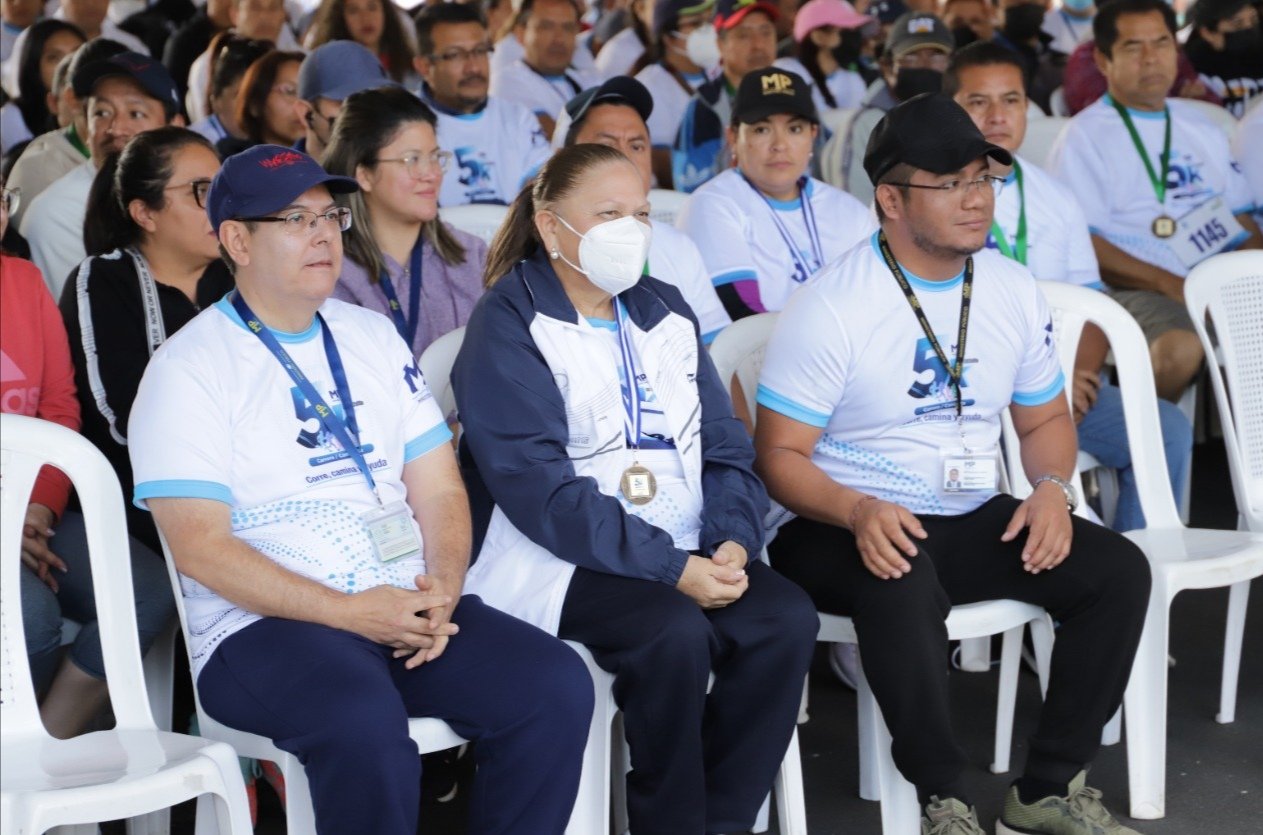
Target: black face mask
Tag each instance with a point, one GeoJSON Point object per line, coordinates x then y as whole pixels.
{"type": "Point", "coordinates": [848, 52]}
{"type": "Point", "coordinates": [964, 36]}
{"type": "Point", "coordinates": [1245, 42]}
{"type": "Point", "coordinates": [913, 82]}
{"type": "Point", "coordinates": [1022, 23]}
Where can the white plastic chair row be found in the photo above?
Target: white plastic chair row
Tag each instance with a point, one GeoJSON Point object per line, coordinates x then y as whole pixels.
{"type": "Point", "coordinates": [135, 768]}
{"type": "Point", "coordinates": [739, 351]}
{"type": "Point", "coordinates": [482, 220]}
{"type": "Point", "coordinates": [665, 205]}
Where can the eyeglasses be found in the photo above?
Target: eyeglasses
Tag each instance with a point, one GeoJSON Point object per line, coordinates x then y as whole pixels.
{"type": "Point", "coordinates": [922, 59]}
{"type": "Point", "coordinates": [457, 54]}
{"type": "Point", "coordinates": [200, 189]}
{"type": "Point", "coordinates": [288, 91]}
{"type": "Point", "coordinates": [955, 187]}
{"type": "Point", "coordinates": [302, 221]}
{"type": "Point", "coordinates": [12, 198]}
{"type": "Point", "coordinates": [418, 165]}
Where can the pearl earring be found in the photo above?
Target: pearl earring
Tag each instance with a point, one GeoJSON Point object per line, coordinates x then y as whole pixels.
{"type": "Point", "coordinates": [556, 255]}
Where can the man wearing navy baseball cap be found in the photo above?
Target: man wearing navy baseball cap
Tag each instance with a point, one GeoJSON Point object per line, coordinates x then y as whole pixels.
{"type": "Point", "coordinates": [881, 397]}
{"type": "Point", "coordinates": [329, 74]}
{"type": "Point", "coordinates": [305, 482]}
{"type": "Point", "coordinates": [124, 94]}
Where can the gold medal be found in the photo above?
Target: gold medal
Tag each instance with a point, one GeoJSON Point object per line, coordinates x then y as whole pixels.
{"type": "Point", "coordinates": [638, 484]}
{"type": "Point", "coordinates": [1164, 226]}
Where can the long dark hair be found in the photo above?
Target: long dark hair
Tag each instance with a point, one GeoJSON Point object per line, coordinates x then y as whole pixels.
{"type": "Point", "coordinates": [518, 238]}
{"type": "Point", "coordinates": [255, 89]}
{"type": "Point", "coordinates": [329, 24]}
{"type": "Point", "coordinates": [369, 121]}
{"type": "Point", "coordinates": [231, 56]}
{"type": "Point", "coordinates": [809, 57]}
{"type": "Point", "coordinates": [141, 171]}
{"type": "Point", "coordinates": [32, 101]}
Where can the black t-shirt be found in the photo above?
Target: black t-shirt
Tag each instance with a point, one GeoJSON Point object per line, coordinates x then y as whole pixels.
{"type": "Point", "coordinates": [1234, 77]}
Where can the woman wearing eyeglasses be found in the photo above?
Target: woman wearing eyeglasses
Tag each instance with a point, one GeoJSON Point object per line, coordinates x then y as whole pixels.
{"type": "Point", "coordinates": [152, 264]}
{"type": "Point", "coordinates": [268, 109]}
{"type": "Point", "coordinates": [401, 259]}
{"type": "Point", "coordinates": [232, 56]}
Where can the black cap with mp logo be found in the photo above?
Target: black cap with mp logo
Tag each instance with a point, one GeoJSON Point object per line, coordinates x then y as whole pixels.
{"type": "Point", "coordinates": [930, 132]}
{"type": "Point", "coordinates": [770, 91]}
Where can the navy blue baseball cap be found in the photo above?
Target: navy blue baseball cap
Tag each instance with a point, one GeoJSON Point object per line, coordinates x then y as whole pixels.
{"type": "Point", "coordinates": [337, 69]}
{"type": "Point", "coordinates": [151, 75]}
{"type": "Point", "coordinates": [265, 179]}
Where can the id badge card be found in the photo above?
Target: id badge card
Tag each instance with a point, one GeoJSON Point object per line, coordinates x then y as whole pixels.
{"type": "Point", "coordinates": [1205, 231]}
{"type": "Point", "coordinates": [970, 471]}
{"type": "Point", "coordinates": [390, 530]}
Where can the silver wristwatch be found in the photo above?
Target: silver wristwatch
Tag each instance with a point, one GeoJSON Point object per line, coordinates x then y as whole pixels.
{"type": "Point", "coordinates": [1072, 495]}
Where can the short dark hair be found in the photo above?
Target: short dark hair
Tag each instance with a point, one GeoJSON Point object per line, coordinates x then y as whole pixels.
{"type": "Point", "coordinates": [980, 54]}
{"type": "Point", "coordinates": [256, 86]}
{"type": "Point", "coordinates": [524, 13]}
{"type": "Point", "coordinates": [900, 173]}
{"type": "Point", "coordinates": [1105, 24]}
{"type": "Point", "coordinates": [438, 14]}
{"type": "Point", "coordinates": [232, 55]}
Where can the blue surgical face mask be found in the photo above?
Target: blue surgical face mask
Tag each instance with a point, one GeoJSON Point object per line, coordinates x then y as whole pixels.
{"type": "Point", "coordinates": [1077, 5]}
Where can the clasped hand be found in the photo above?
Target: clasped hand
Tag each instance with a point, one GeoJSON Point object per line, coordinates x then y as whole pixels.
{"type": "Point", "coordinates": [717, 581]}
{"type": "Point", "coordinates": [416, 623]}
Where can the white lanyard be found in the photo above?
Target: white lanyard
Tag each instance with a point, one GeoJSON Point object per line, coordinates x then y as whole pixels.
{"type": "Point", "coordinates": [154, 326]}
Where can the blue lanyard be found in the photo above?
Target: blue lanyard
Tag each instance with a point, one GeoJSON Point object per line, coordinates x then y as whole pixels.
{"type": "Point", "coordinates": [631, 398]}
{"type": "Point", "coordinates": [407, 327]}
{"type": "Point", "coordinates": [347, 432]}
{"type": "Point", "coordinates": [809, 220]}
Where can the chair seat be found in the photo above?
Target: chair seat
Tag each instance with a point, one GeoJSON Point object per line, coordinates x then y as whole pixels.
{"type": "Point", "coordinates": [1224, 557]}
{"type": "Point", "coordinates": [429, 734]}
{"type": "Point", "coordinates": [114, 758]}
{"type": "Point", "coordinates": [970, 620]}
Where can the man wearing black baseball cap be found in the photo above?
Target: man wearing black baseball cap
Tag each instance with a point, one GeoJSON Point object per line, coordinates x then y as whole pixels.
{"type": "Point", "coordinates": [881, 397]}
{"type": "Point", "coordinates": [304, 479]}
{"type": "Point", "coordinates": [124, 94]}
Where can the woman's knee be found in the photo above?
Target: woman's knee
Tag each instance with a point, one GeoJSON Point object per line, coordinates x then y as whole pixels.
{"type": "Point", "coordinates": [41, 614]}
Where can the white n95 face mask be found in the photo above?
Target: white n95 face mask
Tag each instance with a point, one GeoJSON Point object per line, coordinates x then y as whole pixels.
{"type": "Point", "coordinates": [702, 46]}
{"type": "Point", "coordinates": [612, 254]}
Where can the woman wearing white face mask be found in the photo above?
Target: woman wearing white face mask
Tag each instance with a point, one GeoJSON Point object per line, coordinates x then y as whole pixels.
{"type": "Point", "coordinates": [626, 510]}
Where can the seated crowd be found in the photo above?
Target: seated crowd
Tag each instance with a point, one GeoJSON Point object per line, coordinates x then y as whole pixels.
{"type": "Point", "coordinates": [225, 251]}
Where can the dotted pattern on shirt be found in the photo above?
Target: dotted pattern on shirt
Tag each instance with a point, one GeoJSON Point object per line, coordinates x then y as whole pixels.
{"type": "Point", "coordinates": [880, 475]}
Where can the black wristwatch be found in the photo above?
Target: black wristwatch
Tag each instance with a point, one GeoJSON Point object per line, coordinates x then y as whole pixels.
{"type": "Point", "coordinates": [1072, 495]}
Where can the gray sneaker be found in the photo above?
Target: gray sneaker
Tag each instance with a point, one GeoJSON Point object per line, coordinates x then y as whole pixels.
{"type": "Point", "coordinates": [949, 817]}
{"type": "Point", "coordinates": [1079, 813]}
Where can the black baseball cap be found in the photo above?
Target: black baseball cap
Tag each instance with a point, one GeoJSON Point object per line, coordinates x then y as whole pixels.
{"type": "Point", "coordinates": [771, 90]}
{"type": "Point", "coordinates": [931, 132]}
{"type": "Point", "coordinates": [266, 179]}
{"type": "Point", "coordinates": [916, 30]}
{"type": "Point", "coordinates": [621, 89]}
{"type": "Point", "coordinates": [151, 75]}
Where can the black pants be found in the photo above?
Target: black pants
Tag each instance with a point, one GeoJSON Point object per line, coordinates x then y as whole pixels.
{"type": "Point", "coordinates": [1098, 595]}
{"type": "Point", "coordinates": [700, 763]}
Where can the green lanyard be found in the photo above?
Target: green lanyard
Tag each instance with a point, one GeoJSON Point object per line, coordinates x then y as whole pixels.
{"type": "Point", "coordinates": [997, 234]}
{"type": "Point", "coordinates": [1159, 182]}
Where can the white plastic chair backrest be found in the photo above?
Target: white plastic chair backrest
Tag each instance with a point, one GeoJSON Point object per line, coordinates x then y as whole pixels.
{"type": "Point", "coordinates": [479, 219]}
{"type": "Point", "coordinates": [837, 118]}
{"type": "Point", "coordinates": [436, 367]}
{"type": "Point", "coordinates": [1039, 139]}
{"type": "Point", "coordinates": [27, 444]}
{"type": "Point", "coordinates": [739, 350]}
{"type": "Point", "coordinates": [1071, 307]}
{"type": "Point", "coordinates": [1057, 103]}
{"type": "Point", "coordinates": [1230, 288]}
{"type": "Point", "coordinates": [1220, 116]}
{"type": "Point", "coordinates": [665, 205]}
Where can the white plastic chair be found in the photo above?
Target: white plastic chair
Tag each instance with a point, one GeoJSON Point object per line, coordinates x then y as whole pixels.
{"type": "Point", "coordinates": [1040, 136]}
{"type": "Point", "coordinates": [665, 205]}
{"type": "Point", "coordinates": [481, 220]}
{"type": "Point", "coordinates": [436, 367]}
{"type": "Point", "coordinates": [739, 351]}
{"type": "Point", "coordinates": [135, 768]}
{"type": "Point", "coordinates": [1057, 103]}
{"type": "Point", "coordinates": [1220, 116]}
{"type": "Point", "coordinates": [1179, 558]}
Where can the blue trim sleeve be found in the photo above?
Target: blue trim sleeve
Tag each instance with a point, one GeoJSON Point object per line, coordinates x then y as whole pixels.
{"type": "Point", "coordinates": [708, 338]}
{"type": "Point", "coordinates": [1245, 210]}
{"type": "Point", "coordinates": [733, 276]}
{"type": "Point", "coordinates": [179, 488]}
{"type": "Point", "coordinates": [426, 442]}
{"type": "Point", "coordinates": [790, 409]}
{"type": "Point", "coordinates": [1039, 398]}
{"type": "Point", "coordinates": [1096, 285]}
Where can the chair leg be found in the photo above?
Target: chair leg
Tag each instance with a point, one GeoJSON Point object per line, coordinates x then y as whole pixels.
{"type": "Point", "coordinates": [1042, 636]}
{"type": "Point", "coordinates": [591, 812]}
{"type": "Point", "coordinates": [791, 803]}
{"type": "Point", "coordinates": [1112, 733]}
{"type": "Point", "coordinates": [975, 655]}
{"type": "Point", "coordinates": [1145, 706]}
{"type": "Point", "coordinates": [900, 812]}
{"type": "Point", "coordinates": [620, 755]}
{"type": "Point", "coordinates": [803, 717]}
{"type": "Point", "coordinates": [1010, 660]}
{"type": "Point", "coordinates": [1238, 597]}
{"type": "Point", "coordinates": [869, 718]}
{"type": "Point", "coordinates": [300, 815]}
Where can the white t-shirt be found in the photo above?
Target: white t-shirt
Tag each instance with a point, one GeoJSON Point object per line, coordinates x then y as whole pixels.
{"type": "Point", "coordinates": [619, 54]}
{"type": "Point", "coordinates": [847, 87]}
{"type": "Point", "coordinates": [12, 127]}
{"type": "Point", "coordinates": [1247, 147]}
{"type": "Point", "coordinates": [217, 417]}
{"type": "Point", "coordinates": [543, 95]}
{"type": "Point", "coordinates": [1095, 157]}
{"type": "Point", "coordinates": [669, 102]}
{"type": "Point", "coordinates": [849, 357]}
{"type": "Point", "coordinates": [673, 258]}
{"type": "Point", "coordinates": [495, 151]}
{"type": "Point", "coordinates": [1058, 245]}
{"type": "Point", "coordinates": [1066, 30]}
{"type": "Point", "coordinates": [742, 235]}
{"type": "Point", "coordinates": [53, 225]}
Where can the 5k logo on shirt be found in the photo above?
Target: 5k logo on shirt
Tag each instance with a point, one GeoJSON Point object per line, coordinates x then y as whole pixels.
{"type": "Point", "coordinates": [931, 380]}
{"type": "Point", "coordinates": [475, 174]}
{"type": "Point", "coordinates": [1185, 182]}
{"type": "Point", "coordinates": [312, 433]}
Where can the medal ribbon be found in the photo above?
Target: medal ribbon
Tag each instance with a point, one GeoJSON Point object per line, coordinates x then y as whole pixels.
{"type": "Point", "coordinates": [631, 399]}
{"type": "Point", "coordinates": [347, 432]}
{"type": "Point", "coordinates": [955, 372]}
{"type": "Point", "coordinates": [1159, 182]}
{"type": "Point", "coordinates": [1018, 252]}
{"type": "Point", "coordinates": [809, 220]}
{"type": "Point", "coordinates": [407, 327]}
